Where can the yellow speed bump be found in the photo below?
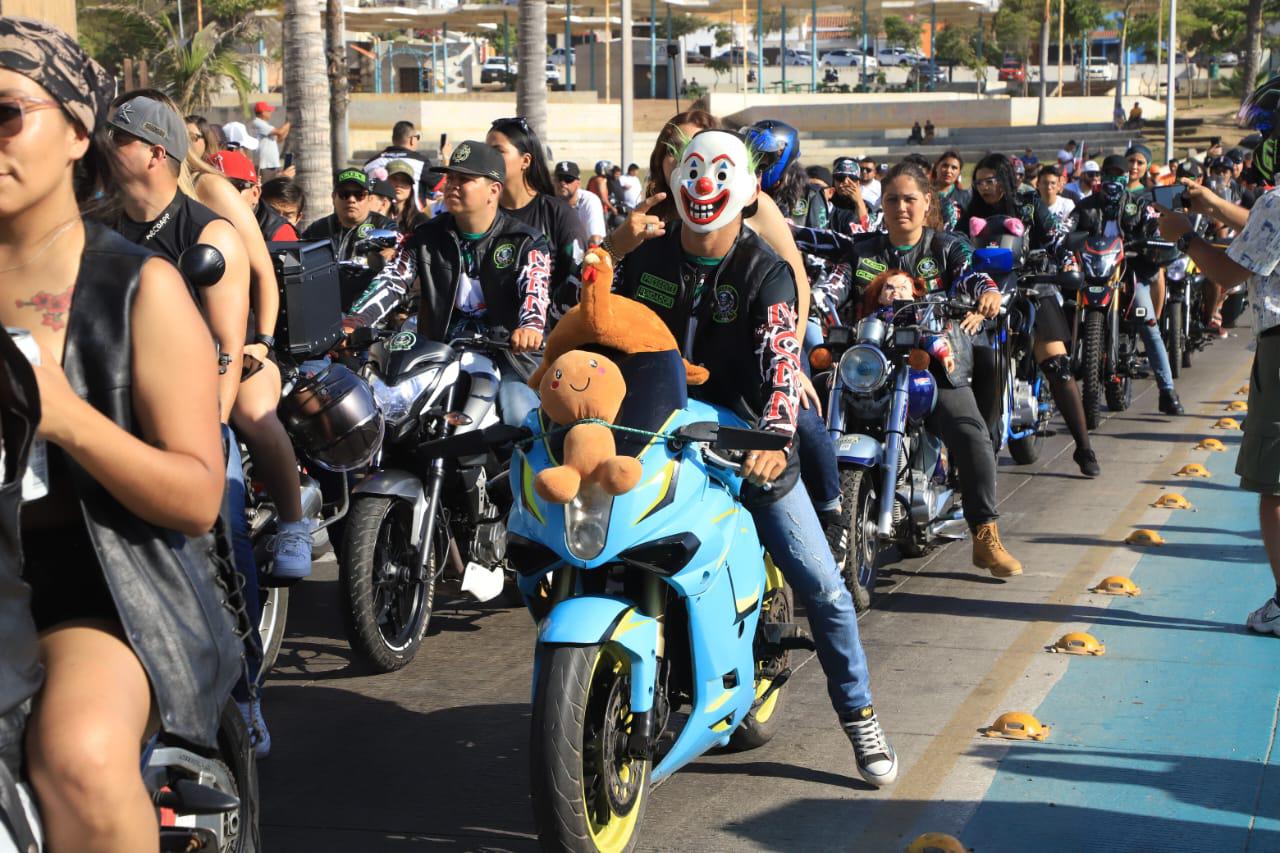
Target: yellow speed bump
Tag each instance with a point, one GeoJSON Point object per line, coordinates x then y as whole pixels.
{"type": "Point", "coordinates": [1237, 406]}
{"type": "Point", "coordinates": [1195, 469]}
{"type": "Point", "coordinates": [936, 842]}
{"type": "Point", "coordinates": [1079, 643]}
{"type": "Point", "coordinates": [1211, 444]}
{"type": "Point", "coordinates": [1172, 500]}
{"type": "Point", "coordinates": [1017, 725]}
{"type": "Point", "coordinates": [1227, 423]}
{"type": "Point", "coordinates": [1143, 536]}
{"type": "Point", "coordinates": [1117, 585]}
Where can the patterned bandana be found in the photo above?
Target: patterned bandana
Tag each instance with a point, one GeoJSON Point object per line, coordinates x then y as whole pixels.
{"type": "Point", "coordinates": [52, 58]}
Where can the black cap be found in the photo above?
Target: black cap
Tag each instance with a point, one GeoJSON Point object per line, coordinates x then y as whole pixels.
{"type": "Point", "coordinates": [351, 176]}
{"type": "Point", "coordinates": [1116, 162]}
{"type": "Point", "coordinates": [386, 189]}
{"type": "Point", "coordinates": [1235, 155]}
{"type": "Point", "coordinates": [1189, 169]}
{"type": "Point", "coordinates": [1221, 164]}
{"type": "Point", "coordinates": [821, 173]}
{"type": "Point", "coordinates": [844, 166]}
{"type": "Point", "coordinates": [478, 159]}
{"type": "Point", "coordinates": [568, 169]}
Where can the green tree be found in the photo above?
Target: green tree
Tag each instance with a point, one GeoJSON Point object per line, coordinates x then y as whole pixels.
{"type": "Point", "coordinates": [955, 46]}
{"type": "Point", "coordinates": [1016, 26]}
{"type": "Point", "coordinates": [501, 38]}
{"type": "Point", "coordinates": [1082, 16]}
{"type": "Point", "coordinates": [899, 32]}
{"type": "Point", "coordinates": [724, 35]}
{"type": "Point", "coordinates": [681, 25]}
{"type": "Point", "coordinates": [718, 67]}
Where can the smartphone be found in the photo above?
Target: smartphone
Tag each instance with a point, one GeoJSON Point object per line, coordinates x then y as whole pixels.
{"type": "Point", "coordinates": [444, 138]}
{"type": "Point", "coordinates": [288, 160]}
{"type": "Point", "coordinates": [1172, 198]}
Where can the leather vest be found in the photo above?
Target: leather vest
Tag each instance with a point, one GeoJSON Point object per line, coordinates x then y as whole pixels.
{"type": "Point", "coordinates": [169, 589]}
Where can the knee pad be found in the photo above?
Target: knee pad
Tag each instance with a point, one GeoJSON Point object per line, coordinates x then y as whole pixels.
{"type": "Point", "coordinates": [1057, 368]}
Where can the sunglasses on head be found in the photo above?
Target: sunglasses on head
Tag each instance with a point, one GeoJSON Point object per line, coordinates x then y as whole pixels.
{"type": "Point", "coordinates": [241, 185]}
{"type": "Point", "coordinates": [13, 111]}
{"type": "Point", "coordinates": [358, 195]}
{"type": "Point", "coordinates": [518, 120]}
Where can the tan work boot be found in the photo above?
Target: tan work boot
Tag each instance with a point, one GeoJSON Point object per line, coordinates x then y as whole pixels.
{"type": "Point", "coordinates": [989, 553]}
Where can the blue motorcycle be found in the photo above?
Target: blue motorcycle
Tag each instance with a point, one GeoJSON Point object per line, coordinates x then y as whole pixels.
{"type": "Point", "coordinates": [663, 629]}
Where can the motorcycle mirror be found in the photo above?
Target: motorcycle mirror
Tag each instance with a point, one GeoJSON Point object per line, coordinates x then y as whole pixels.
{"type": "Point", "coordinates": [202, 265]}
{"type": "Point", "coordinates": [376, 240]}
{"type": "Point", "coordinates": [734, 438]}
{"type": "Point", "coordinates": [703, 431]}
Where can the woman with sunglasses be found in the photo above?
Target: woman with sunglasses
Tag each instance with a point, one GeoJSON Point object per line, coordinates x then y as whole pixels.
{"type": "Point", "coordinates": [997, 195]}
{"type": "Point", "coordinates": [133, 634]}
{"type": "Point", "coordinates": [530, 197]}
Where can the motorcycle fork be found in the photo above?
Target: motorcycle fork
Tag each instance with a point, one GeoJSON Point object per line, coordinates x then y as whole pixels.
{"type": "Point", "coordinates": [651, 599]}
{"type": "Point", "coordinates": [892, 451]}
{"type": "Point", "coordinates": [434, 485]}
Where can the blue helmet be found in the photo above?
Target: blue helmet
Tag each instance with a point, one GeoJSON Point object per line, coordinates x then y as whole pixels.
{"type": "Point", "coordinates": [1261, 112]}
{"type": "Point", "coordinates": [776, 146]}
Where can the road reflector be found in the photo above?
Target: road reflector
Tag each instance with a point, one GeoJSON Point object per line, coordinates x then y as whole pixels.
{"type": "Point", "coordinates": [1079, 643]}
{"type": "Point", "coordinates": [1237, 406]}
{"type": "Point", "coordinates": [1017, 725]}
{"type": "Point", "coordinates": [1172, 500]}
{"type": "Point", "coordinates": [1211, 444]}
{"type": "Point", "coordinates": [1195, 469]}
{"type": "Point", "coordinates": [1143, 536]}
{"type": "Point", "coordinates": [1117, 585]}
{"type": "Point", "coordinates": [1243, 389]}
{"type": "Point", "coordinates": [936, 842]}
{"type": "Point", "coordinates": [1227, 423]}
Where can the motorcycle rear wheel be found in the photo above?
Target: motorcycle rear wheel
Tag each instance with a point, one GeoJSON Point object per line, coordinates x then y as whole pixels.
{"type": "Point", "coordinates": [588, 795]}
{"type": "Point", "coordinates": [1026, 450]}
{"type": "Point", "coordinates": [1091, 364]}
{"type": "Point", "coordinates": [386, 612]}
{"type": "Point", "coordinates": [1177, 338]}
{"type": "Point", "coordinates": [862, 556]}
{"type": "Point", "coordinates": [271, 624]}
{"type": "Point", "coordinates": [761, 724]}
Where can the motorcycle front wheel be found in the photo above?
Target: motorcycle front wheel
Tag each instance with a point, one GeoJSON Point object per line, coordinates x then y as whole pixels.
{"type": "Point", "coordinates": [761, 723]}
{"type": "Point", "coordinates": [1091, 365]}
{"type": "Point", "coordinates": [387, 611]}
{"type": "Point", "coordinates": [588, 794]}
{"type": "Point", "coordinates": [862, 556]}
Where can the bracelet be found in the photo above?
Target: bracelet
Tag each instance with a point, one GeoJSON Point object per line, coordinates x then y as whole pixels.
{"type": "Point", "coordinates": [607, 245]}
{"type": "Point", "coordinates": [266, 340]}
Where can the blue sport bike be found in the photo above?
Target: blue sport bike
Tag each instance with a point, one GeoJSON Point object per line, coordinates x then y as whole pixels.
{"type": "Point", "coordinates": [663, 629]}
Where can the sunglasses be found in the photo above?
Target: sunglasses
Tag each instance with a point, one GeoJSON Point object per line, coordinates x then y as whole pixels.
{"type": "Point", "coordinates": [518, 120]}
{"type": "Point", "coordinates": [985, 182]}
{"type": "Point", "coordinates": [866, 170]}
{"type": "Point", "coordinates": [416, 136]}
{"type": "Point", "coordinates": [358, 195]}
{"type": "Point", "coordinates": [13, 111]}
{"type": "Point", "coordinates": [241, 185]}
{"type": "Point", "coordinates": [120, 138]}
{"type": "Point", "coordinates": [566, 179]}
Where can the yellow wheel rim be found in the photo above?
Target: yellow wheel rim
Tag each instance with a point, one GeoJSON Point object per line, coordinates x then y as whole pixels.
{"type": "Point", "coordinates": [773, 581]}
{"type": "Point", "coordinates": [616, 831]}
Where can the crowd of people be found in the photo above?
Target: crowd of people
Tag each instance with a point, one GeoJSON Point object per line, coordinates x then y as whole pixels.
{"type": "Point", "coordinates": [147, 384]}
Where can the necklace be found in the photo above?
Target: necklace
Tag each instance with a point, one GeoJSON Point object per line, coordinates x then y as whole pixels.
{"type": "Point", "coordinates": [49, 241]}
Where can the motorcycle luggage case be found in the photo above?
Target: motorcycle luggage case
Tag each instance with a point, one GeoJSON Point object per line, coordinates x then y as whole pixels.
{"type": "Point", "coordinates": [310, 320]}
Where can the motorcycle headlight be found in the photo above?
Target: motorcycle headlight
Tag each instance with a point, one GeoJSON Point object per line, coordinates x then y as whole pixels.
{"type": "Point", "coordinates": [396, 401]}
{"type": "Point", "coordinates": [586, 522]}
{"type": "Point", "coordinates": [863, 369]}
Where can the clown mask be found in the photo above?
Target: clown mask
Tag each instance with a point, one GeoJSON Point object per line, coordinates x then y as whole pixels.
{"type": "Point", "coordinates": [713, 181]}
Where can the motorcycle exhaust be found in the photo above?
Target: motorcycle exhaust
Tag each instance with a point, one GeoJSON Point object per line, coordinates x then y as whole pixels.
{"type": "Point", "coordinates": [950, 528]}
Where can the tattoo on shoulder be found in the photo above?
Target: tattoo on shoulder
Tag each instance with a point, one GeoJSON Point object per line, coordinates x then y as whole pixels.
{"type": "Point", "coordinates": [52, 306]}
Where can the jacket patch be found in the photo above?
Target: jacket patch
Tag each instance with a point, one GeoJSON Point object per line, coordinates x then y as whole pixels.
{"type": "Point", "coordinates": [659, 284]}
{"type": "Point", "coordinates": [648, 294]}
{"type": "Point", "coordinates": [504, 256]}
{"type": "Point", "coordinates": [726, 306]}
{"type": "Point", "coordinates": [869, 268]}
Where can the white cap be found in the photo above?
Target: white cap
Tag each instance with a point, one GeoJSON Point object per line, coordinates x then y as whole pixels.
{"type": "Point", "coordinates": [236, 134]}
{"type": "Point", "coordinates": [1091, 166]}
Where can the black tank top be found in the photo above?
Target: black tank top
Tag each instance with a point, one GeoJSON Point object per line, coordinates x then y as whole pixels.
{"type": "Point", "coordinates": [176, 229]}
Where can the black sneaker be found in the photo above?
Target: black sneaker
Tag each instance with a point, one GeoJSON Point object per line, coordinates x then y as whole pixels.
{"type": "Point", "coordinates": [877, 762]}
{"type": "Point", "coordinates": [1170, 404]}
{"type": "Point", "coordinates": [1088, 462]}
{"type": "Point", "coordinates": [837, 534]}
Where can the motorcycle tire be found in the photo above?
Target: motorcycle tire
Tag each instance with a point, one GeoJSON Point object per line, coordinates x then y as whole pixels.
{"type": "Point", "coordinates": [586, 796]}
{"type": "Point", "coordinates": [1232, 308]}
{"type": "Point", "coordinates": [386, 616]}
{"type": "Point", "coordinates": [1120, 394]}
{"type": "Point", "coordinates": [1177, 342]}
{"type": "Point", "coordinates": [862, 553]}
{"type": "Point", "coordinates": [761, 724]}
{"type": "Point", "coordinates": [235, 752]}
{"type": "Point", "coordinates": [1091, 364]}
{"type": "Point", "coordinates": [1026, 450]}
{"type": "Point", "coordinates": [271, 624]}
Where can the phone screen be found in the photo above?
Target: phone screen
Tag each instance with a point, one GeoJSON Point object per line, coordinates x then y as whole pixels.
{"type": "Point", "coordinates": [288, 160]}
{"type": "Point", "coordinates": [1168, 197]}
{"type": "Point", "coordinates": [444, 137]}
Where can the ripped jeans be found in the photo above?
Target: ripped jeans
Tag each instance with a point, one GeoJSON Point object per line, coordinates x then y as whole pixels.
{"type": "Point", "coordinates": [790, 530]}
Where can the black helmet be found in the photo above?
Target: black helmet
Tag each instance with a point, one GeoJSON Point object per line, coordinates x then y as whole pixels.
{"type": "Point", "coordinates": [332, 417]}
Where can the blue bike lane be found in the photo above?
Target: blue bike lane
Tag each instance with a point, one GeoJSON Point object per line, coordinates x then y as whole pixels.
{"type": "Point", "coordinates": [1168, 741]}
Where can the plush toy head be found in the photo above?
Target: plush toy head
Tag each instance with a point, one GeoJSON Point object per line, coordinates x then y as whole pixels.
{"type": "Point", "coordinates": [713, 181]}
{"type": "Point", "coordinates": [581, 385]}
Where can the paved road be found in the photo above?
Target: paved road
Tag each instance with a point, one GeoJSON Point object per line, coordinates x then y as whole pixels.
{"type": "Point", "coordinates": [435, 756]}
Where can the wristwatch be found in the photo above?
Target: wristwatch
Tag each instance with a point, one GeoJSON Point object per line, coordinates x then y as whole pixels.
{"type": "Point", "coordinates": [266, 340]}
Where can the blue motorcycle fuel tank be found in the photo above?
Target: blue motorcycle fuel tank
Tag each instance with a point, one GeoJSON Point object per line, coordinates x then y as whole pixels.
{"type": "Point", "coordinates": [922, 394]}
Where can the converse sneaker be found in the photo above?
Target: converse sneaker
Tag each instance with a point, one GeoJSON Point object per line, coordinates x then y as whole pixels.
{"type": "Point", "coordinates": [833, 525]}
{"type": "Point", "coordinates": [258, 734]}
{"type": "Point", "coordinates": [877, 762]}
{"type": "Point", "coordinates": [291, 551]}
{"type": "Point", "coordinates": [1266, 619]}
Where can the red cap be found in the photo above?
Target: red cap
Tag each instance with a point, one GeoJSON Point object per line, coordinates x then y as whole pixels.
{"type": "Point", "coordinates": [263, 107]}
{"type": "Point", "coordinates": [235, 165]}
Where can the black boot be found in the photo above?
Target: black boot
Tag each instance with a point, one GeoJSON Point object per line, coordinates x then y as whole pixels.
{"type": "Point", "coordinates": [1170, 404]}
{"type": "Point", "coordinates": [1067, 395]}
{"type": "Point", "coordinates": [1088, 462]}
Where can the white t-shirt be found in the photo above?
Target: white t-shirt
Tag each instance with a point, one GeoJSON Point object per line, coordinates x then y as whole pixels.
{"type": "Point", "coordinates": [268, 148]}
{"type": "Point", "coordinates": [632, 191]}
{"type": "Point", "coordinates": [1062, 208]}
{"type": "Point", "coordinates": [871, 192]}
{"type": "Point", "coordinates": [1257, 249]}
{"type": "Point", "coordinates": [590, 212]}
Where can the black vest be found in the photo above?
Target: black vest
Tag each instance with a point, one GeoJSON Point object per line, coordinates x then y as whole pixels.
{"type": "Point", "coordinates": [166, 586]}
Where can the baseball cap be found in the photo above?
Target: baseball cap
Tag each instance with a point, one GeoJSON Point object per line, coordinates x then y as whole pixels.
{"type": "Point", "coordinates": [1236, 155]}
{"type": "Point", "coordinates": [238, 135]}
{"type": "Point", "coordinates": [1115, 162]}
{"type": "Point", "coordinates": [568, 169]}
{"type": "Point", "coordinates": [263, 107]}
{"type": "Point", "coordinates": [844, 166]}
{"type": "Point", "coordinates": [475, 158]}
{"type": "Point", "coordinates": [154, 123]}
{"type": "Point", "coordinates": [821, 173]}
{"type": "Point", "coordinates": [1091, 166]}
{"type": "Point", "coordinates": [235, 165]}
{"type": "Point", "coordinates": [386, 189]}
{"type": "Point", "coordinates": [399, 167]}
{"type": "Point", "coordinates": [351, 176]}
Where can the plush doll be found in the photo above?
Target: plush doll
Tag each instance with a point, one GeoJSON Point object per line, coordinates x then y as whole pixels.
{"type": "Point", "coordinates": [578, 386]}
{"type": "Point", "coordinates": [612, 321]}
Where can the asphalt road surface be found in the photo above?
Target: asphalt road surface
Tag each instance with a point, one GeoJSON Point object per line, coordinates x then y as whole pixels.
{"type": "Point", "coordinates": [435, 756]}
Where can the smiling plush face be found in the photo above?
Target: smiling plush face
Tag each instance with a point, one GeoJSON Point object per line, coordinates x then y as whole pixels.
{"type": "Point", "coordinates": [582, 385]}
{"type": "Point", "coordinates": [713, 181]}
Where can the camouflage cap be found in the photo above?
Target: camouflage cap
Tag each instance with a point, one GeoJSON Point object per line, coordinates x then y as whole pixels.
{"type": "Point", "coordinates": [50, 57]}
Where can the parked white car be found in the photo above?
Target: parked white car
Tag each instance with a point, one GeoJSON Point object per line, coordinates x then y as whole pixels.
{"type": "Point", "coordinates": [895, 56]}
{"type": "Point", "coordinates": [848, 57]}
{"type": "Point", "coordinates": [798, 57]}
{"type": "Point", "coordinates": [1098, 69]}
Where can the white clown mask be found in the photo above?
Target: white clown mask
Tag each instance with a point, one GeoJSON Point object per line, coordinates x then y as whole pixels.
{"type": "Point", "coordinates": [713, 181]}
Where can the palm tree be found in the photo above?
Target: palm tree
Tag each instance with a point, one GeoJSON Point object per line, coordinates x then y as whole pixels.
{"type": "Point", "coordinates": [306, 95]}
{"type": "Point", "coordinates": [531, 58]}
{"type": "Point", "coordinates": [339, 84]}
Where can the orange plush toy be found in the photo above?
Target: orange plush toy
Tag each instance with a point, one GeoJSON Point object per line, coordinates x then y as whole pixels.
{"type": "Point", "coordinates": [578, 386]}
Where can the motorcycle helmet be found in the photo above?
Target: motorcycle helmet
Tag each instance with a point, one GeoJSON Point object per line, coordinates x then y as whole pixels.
{"type": "Point", "coordinates": [603, 167]}
{"type": "Point", "coordinates": [332, 418]}
{"type": "Point", "coordinates": [775, 145]}
{"type": "Point", "coordinates": [1259, 113]}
